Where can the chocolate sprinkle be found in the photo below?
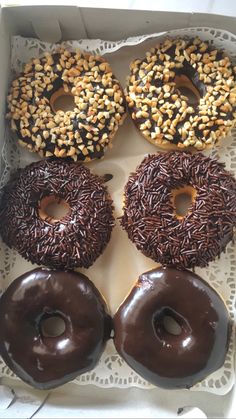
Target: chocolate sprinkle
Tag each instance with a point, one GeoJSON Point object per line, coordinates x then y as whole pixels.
{"type": "Point", "coordinates": [149, 215]}
{"type": "Point", "coordinates": [79, 237]}
{"type": "Point", "coordinates": [107, 177]}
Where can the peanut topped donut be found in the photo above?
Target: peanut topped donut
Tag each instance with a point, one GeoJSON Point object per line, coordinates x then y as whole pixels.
{"type": "Point", "coordinates": [74, 240]}
{"type": "Point", "coordinates": [97, 105]}
{"type": "Point", "coordinates": [163, 354]}
{"type": "Point", "coordinates": [157, 88]}
{"type": "Point", "coordinates": [166, 233]}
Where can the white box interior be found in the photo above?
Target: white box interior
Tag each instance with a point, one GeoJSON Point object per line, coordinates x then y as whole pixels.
{"type": "Point", "coordinates": [53, 24]}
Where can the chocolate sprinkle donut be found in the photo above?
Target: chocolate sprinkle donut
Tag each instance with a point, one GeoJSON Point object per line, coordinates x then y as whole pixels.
{"type": "Point", "coordinates": [49, 360]}
{"type": "Point", "coordinates": [172, 358]}
{"type": "Point", "coordinates": [77, 239]}
{"type": "Point", "coordinates": [150, 217]}
{"type": "Point", "coordinates": [157, 101]}
{"type": "Point", "coordinates": [83, 133]}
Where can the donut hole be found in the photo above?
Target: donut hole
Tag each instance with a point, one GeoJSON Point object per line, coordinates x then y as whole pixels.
{"type": "Point", "coordinates": [167, 322]}
{"type": "Point", "coordinates": [62, 101]}
{"type": "Point", "coordinates": [186, 87]}
{"type": "Point", "coordinates": [171, 326]}
{"type": "Point", "coordinates": [183, 198]}
{"type": "Point", "coordinates": [53, 209]}
{"type": "Point", "coordinates": [52, 325]}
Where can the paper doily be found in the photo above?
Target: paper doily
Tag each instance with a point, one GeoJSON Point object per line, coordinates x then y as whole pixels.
{"type": "Point", "coordinates": [112, 371]}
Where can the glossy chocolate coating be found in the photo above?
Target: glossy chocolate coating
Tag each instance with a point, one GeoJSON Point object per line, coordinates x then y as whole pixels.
{"type": "Point", "coordinates": [162, 358]}
{"type": "Point", "coordinates": [47, 362]}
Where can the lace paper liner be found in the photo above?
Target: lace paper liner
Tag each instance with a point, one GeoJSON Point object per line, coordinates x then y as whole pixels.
{"type": "Point", "coordinates": [112, 371]}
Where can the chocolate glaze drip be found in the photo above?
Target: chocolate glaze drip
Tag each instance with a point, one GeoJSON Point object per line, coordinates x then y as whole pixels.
{"type": "Point", "coordinates": [149, 216]}
{"type": "Point", "coordinates": [164, 359]}
{"type": "Point", "coordinates": [74, 241]}
{"type": "Point", "coordinates": [48, 362]}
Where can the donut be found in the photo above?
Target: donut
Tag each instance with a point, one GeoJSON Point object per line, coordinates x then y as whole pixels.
{"type": "Point", "coordinates": [151, 217]}
{"type": "Point", "coordinates": [76, 239]}
{"type": "Point", "coordinates": [47, 361]}
{"type": "Point", "coordinates": [183, 94]}
{"type": "Point", "coordinates": [97, 105]}
{"type": "Point", "coordinates": [161, 356]}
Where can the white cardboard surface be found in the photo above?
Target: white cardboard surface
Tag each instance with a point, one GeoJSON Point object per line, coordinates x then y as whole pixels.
{"type": "Point", "coordinates": [25, 402]}
{"type": "Point", "coordinates": [108, 271]}
{"type": "Point", "coordinates": [226, 8]}
{"type": "Point", "coordinates": [92, 402]}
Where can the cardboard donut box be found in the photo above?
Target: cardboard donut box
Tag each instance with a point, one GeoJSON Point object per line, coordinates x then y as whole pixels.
{"type": "Point", "coordinates": [55, 23]}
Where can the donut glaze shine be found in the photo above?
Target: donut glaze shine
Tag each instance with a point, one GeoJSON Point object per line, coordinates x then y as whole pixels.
{"type": "Point", "coordinates": [42, 361]}
{"type": "Point", "coordinates": [162, 358]}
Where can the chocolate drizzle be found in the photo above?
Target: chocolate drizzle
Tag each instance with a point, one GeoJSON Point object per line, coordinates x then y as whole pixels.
{"type": "Point", "coordinates": [165, 359]}
{"type": "Point", "coordinates": [74, 241]}
{"type": "Point", "coordinates": [149, 216]}
{"type": "Point", "coordinates": [47, 362]}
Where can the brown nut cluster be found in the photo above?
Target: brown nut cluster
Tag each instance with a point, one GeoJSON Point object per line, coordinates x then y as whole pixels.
{"type": "Point", "coordinates": [83, 133]}
{"type": "Point", "coordinates": [164, 115]}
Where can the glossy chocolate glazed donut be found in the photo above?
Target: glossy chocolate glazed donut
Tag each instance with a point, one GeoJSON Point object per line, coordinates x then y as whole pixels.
{"type": "Point", "coordinates": [76, 239]}
{"type": "Point", "coordinates": [43, 361]}
{"type": "Point", "coordinates": [162, 358]}
{"type": "Point", "coordinates": [152, 222]}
